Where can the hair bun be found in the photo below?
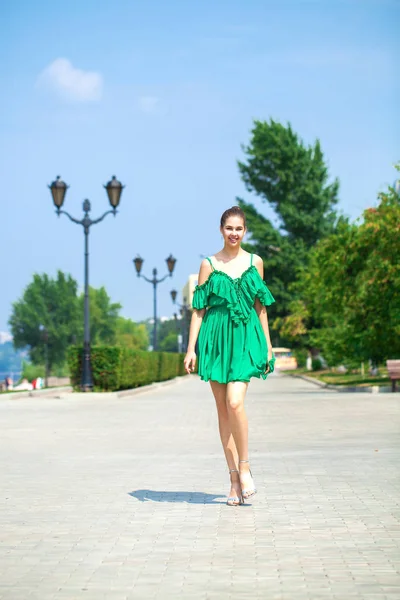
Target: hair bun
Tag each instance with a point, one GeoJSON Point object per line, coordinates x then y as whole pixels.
{"type": "Point", "coordinates": [234, 211]}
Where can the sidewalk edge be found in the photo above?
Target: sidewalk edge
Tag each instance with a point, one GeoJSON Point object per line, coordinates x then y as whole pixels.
{"type": "Point", "coordinates": [371, 389]}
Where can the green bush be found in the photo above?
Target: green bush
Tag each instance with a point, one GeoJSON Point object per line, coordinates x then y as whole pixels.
{"type": "Point", "coordinates": [139, 368]}
{"type": "Point", "coordinates": [116, 368]}
{"type": "Point", "coordinates": [169, 365]}
{"type": "Point", "coordinates": [61, 370]}
{"type": "Point", "coordinates": [31, 371]}
{"type": "Point", "coordinates": [106, 366]}
{"type": "Point", "coordinates": [181, 366]}
{"type": "Point", "coordinates": [300, 355]}
{"type": "Point", "coordinates": [316, 364]}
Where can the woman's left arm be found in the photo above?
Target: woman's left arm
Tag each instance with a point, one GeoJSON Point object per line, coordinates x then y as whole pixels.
{"type": "Point", "coordinates": [261, 309]}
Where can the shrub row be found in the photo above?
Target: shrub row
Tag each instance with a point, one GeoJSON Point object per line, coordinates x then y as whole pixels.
{"type": "Point", "coordinates": [116, 368]}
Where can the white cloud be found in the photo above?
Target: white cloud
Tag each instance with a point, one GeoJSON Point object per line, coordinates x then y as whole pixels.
{"type": "Point", "coordinates": [5, 337]}
{"type": "Point", "coordinates": [72, 83]}
{"type": "Point", "coordinates": [149, 104]}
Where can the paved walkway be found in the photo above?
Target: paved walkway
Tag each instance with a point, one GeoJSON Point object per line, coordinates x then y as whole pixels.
{"type": "Point", "coordinates": [116, 499]}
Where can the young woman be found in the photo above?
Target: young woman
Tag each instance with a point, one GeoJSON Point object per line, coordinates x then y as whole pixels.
{"type": "Point", "coordinates": [230, 320]}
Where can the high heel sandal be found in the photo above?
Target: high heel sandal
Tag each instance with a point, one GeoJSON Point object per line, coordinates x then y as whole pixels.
{"type": "Point", "coordinates": [248, 492]}
{"type": "Point", "coordinates": [234, 500]}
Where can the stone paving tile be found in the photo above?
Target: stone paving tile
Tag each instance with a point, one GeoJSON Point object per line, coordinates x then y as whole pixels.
{"type": "Point", "coordinates": [123, 499]}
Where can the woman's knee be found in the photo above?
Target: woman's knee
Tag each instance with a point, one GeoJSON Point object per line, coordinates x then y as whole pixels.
{"type": "Point", "coordinates": [235, 403]}
{"type": "Point", "coordinates": [235, 395]}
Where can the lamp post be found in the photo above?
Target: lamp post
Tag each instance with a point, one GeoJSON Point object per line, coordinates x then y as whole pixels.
{"type": "Point", "coordinates": [45, 337]}
{"type": "Point", "coordinates": [138, 262]}
{"type": "Point", "coordinates": [114, 190]}
{"type": "Point", "coordinates": [184, 310]}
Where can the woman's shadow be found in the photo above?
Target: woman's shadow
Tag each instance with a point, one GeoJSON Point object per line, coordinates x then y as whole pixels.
{"type": "Point", "coordinates": [188, 497]}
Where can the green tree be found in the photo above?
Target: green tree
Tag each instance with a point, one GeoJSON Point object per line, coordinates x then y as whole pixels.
{"type": "Point", "coordinates": [31, 371]}
{"type": "Point", "coordinates": [169, 343]}
{"type": "Point", "coordinates": [131, 335]}
{"type": "Point", "coordinates": [168, 335]}
{"type": "Point", "coordinates": [50, 303]}
{"type": "Point", "coordinates": [103, 316]}
{"type": "Point", "coordinates": [293, 179]}
{"type": "Point", "coordinates": [351, 289]}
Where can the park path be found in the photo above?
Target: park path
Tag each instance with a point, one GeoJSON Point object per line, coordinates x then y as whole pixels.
{"type": "Point", "coordinates": [107, 498]}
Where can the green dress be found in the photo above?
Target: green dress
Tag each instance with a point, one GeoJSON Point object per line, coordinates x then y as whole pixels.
{"type": "Point", "coordinates": [232, 344]}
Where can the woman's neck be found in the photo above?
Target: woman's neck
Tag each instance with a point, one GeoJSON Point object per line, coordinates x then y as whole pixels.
{"type": "Point", "coordinates": [230, 253]}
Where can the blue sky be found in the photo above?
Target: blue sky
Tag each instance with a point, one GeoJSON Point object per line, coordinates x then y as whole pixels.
{"type": "Point", "coordinates": [163, 94]}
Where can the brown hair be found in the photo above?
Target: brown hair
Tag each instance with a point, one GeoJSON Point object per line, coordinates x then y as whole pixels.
{"type": "Point", "coordinates": [235, 211]}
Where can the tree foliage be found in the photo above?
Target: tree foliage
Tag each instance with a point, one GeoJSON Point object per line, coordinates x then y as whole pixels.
{"type": "Point", "coordinates": [55, 305]}
{"type": "Point", "coordinates": [131, 335]}
{"type": "Point", "coordinates": [167, 335]}
{"type": "Point", "coordinates": [169, 343]}
{"type": "Point", "coordinates": [350, 291]}
{"type": "Point", "coordinates": [103, 316]}
{"type": "Point", "coordinates": [293, 179]}
{"type": "Point", "coordinates": [49, 303]}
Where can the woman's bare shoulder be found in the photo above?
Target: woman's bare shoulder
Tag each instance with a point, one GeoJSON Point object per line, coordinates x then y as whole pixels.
{"type": "Point", "coordinates": [257, 260]}
{"type": "Point", "coordinates": [204, 271]}
{"type": "Point", "coordinates": [205, 264]}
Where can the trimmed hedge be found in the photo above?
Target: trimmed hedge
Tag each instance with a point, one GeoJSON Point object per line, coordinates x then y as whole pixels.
{"type": "Point", "coordinates": [116, 368]}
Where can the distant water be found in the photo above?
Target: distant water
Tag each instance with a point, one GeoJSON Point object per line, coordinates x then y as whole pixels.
{"type": "Point", "coordinates": [15, 375]}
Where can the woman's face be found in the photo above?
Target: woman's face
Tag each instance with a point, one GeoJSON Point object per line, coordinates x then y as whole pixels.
{"type": "Point", "coordinates": [233, 231]}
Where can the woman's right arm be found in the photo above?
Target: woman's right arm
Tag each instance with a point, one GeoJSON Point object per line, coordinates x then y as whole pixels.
{"type": "Point", "coordinates": [196, 321]}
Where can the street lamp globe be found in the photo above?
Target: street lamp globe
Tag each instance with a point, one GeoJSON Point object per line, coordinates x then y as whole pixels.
{"type": "Point", "coordinates": [174, 294]}
{"type": "Point", "coordinates": [138, 262]}
{"type": "Point", "coordinates": [170, 263]}
{"type": "Point", "coordinates": [114, 190]}
{"type": "Point", "coordinates": [86, 206]}
{"type": "Point", "coordinates": [58, 190]}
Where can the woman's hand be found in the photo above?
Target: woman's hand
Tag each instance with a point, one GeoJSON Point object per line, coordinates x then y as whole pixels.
{"type": "Point", "coordinates": [189, 362]}
{"type": "Point", "coordinates": [270, 356]}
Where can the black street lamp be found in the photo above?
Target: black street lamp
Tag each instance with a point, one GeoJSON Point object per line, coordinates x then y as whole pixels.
{"type": "Point", "coordinates": [138, 262]}
{"type": "Point", "coordinates": [185, 312]}
{"type": "Point", "coordinates": [114, 190]}
{"type": "Point", "coordinates": [45, 337]}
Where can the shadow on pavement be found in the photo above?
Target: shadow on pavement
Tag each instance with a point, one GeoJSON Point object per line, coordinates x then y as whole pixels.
{"type": "Point", "coordinates": [189, 497]}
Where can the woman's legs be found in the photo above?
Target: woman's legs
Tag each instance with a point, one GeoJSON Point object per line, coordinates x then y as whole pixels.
{"type": "Point", "coordinates": [228, 443]}
{"type": "Point", "coordinates": [233, 429]}
{"type": "Point", "coordinates": [235, 395]}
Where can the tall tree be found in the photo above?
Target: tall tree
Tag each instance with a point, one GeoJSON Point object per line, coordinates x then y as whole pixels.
{"type": "Point", "coordinates": [131, 335]}
{"type": "Point", "coordinates": [350, 290]}
{"type": "Point", "coordinates": [103, 316]}
{"type": "Point", "coordinates": [50, 303]}
{"type": "Point", "coordinates": [293, 179]}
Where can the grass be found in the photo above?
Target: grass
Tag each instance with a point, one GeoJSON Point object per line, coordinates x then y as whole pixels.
{"type": "Point", "coordinates": [333, 378]}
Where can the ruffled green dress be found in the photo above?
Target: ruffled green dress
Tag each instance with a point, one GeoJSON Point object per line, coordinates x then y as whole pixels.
{"type": "Point", "coordinates": [232, 344]}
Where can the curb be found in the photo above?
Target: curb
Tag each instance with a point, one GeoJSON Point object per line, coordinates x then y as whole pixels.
{"type": "Point", "coordinates": [149, 388]}
{"type": "Point", "coordinates": [53, 392]}
{"type": "Point", "coordinates": [370, 389]}
{"type": "Point", "coordinates": [58, 393]}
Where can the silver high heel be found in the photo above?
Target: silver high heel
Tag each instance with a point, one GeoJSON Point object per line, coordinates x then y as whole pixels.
{"type": "Point", "coordinates": [248, 492]}
{"type": "Point", "coordinates": [234, 500]}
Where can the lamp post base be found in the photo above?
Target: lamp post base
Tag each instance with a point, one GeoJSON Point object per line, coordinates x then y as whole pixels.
{"type": "Point", "coordinates": [87, 381]}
